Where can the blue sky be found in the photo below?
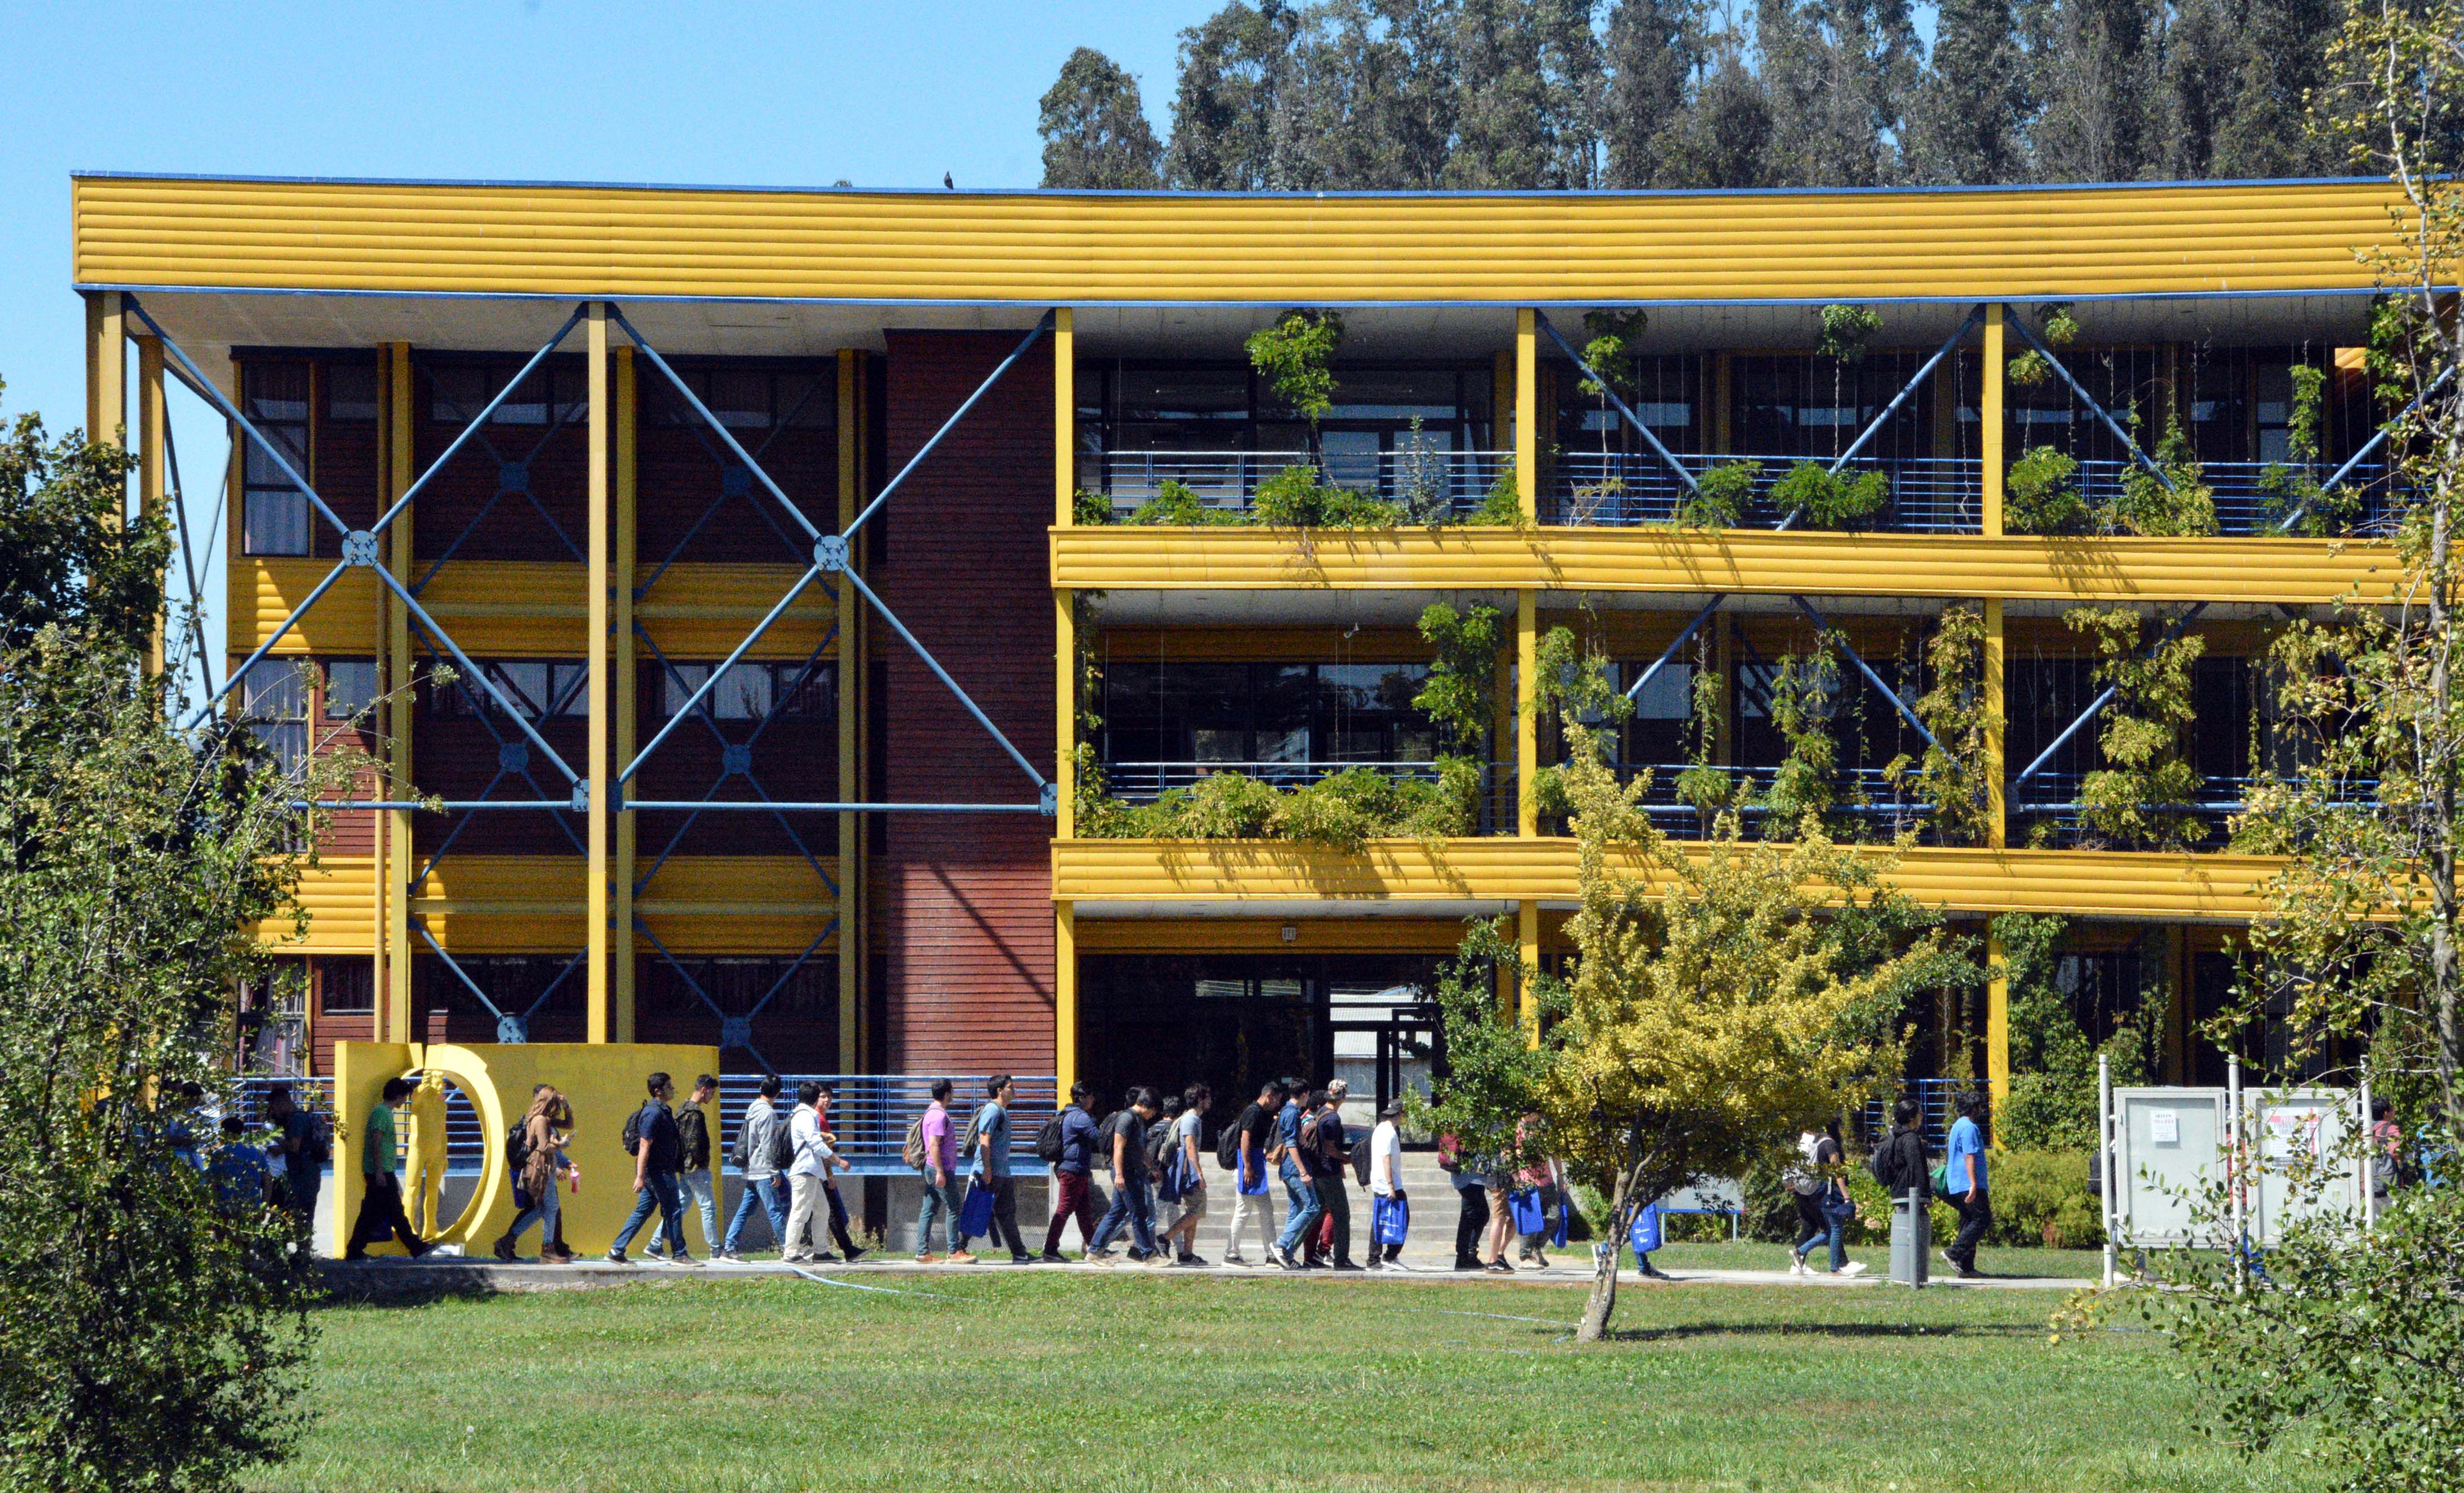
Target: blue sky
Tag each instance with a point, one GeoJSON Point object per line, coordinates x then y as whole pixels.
{"type": "Point", "coordinates": [753, 94]}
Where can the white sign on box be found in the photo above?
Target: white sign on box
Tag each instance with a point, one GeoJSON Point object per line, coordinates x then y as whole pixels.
{"type": "Point", "coordinates": [2165, 1127]}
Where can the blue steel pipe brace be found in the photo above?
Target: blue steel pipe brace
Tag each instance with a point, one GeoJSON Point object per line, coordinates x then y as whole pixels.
{"type": "Point", "coordinates": [2012, 314]}
{"type": "Point", "coordinates": [1867, 670]}
{"type": "Point", "coordinates": [430, 626]}
{"type": "Point", "coordinates": [687, 805]}
{"type": "Point", "coordinates": [685, 710]}
{"type": "Point", "coordinates": [2367, 447]}
{"type": "Point", "coordinates": [477, 422]}
{"type": "Point", "coordinates": [943, 674]}
{"type": "Point", "coordinates": [231, 411]}
{"type": "Point", "coordinates": [442, 807]}
{"type": "Point", "coordinates": [1907, 389]}
{"type": "Point", "coordinates": [1040, 327]}
{"type": "Point", "coordinates": [1633, 419]}
{"type": "Point", "coordinates": [724, 435]}
{"type": "Point", "coordinates": [1634, 689]}
{"type": "Point", "coordinates": [265, 648]}
{"type": "Point", "coordinates": [473, 985]}
{"type": "Point", "coordinates": [2097, 704]}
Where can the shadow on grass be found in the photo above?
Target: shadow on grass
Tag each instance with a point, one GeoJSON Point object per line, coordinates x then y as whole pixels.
{"type": "Point", "coordinates": [1845, 1330]}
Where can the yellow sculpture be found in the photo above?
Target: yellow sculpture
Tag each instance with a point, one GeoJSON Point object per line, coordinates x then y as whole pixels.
{"type": "Point", "coordinates": [423, 1181]}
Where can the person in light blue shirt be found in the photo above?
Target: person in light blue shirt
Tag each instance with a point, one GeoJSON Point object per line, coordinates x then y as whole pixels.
{"type": "Point", "coordinates": [989, 1149]}
{"type": "Point", "coordinates": [1964, 1172]}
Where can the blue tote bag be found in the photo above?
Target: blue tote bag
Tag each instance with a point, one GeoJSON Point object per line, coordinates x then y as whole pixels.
{"type": "Point", "coordinates": [975, 1213]}
{"type": "Point", "coordinates": [1389, 1219]}
{"type": "Point", "coordinates": [1530, 1217]}
{"type": "Point", "coordinates": [1645, 1236]}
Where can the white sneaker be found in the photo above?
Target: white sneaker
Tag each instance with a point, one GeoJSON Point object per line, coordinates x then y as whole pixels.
{"type": "Point", "coordinates": [1852, 1267]}
{"type": "Point", "coordinates": [1796, 1264]}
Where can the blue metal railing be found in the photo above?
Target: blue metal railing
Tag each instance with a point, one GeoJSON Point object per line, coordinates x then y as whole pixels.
{"type": "Point", "coordinates": [1929, 495]}
{"type": "Point", "coordinates": [1146, 780]}
{"type": "Point", "coordinates": [1884, 800]}
{"type": "Point", "coordinates": [872, 1110]}
{"type": "Point", "coordinates": [1933, 1097]}
{"type": "Point", "coordinates": [1228, 480]}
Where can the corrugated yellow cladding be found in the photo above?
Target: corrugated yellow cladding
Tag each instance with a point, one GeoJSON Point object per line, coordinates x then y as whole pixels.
{"type": "Point", "coordinates": [495, 608]}
{"type": "Point", "coordinates": [2083, 882]}
{"type": "Point", "coordinates": [2294, 571]}
{"type": "Point", "coordinates": [561, 240]}
{"type": "Point", "coordinates": [337, 892]}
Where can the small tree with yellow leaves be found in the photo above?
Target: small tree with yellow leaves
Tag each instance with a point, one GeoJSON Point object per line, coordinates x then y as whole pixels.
{"type": "Point", "coordinates": [1717, 1002]}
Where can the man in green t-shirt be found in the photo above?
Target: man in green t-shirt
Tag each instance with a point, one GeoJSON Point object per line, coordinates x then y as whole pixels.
{"type": "Point", "coordinates": [381, 1205]}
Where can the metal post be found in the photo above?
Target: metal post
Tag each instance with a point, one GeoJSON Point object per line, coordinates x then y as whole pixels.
{"type": "Point", "coordinates": [852, 661]}
{"type": "Point", "coordinates": [2369, 1156]}
{"type": "Point", "coordinates": [2240, 1244]}
{"type": "Point", "coordinates": [399, 861]}
{"type": "Point", "coordinates": [598, 581]}
{"type": "Point", "coordinates": [1997, 816]}
{"type": "Point", "coordinates": [2105, 1155]}
{"type": "Point", "coordinates": [152, 428]}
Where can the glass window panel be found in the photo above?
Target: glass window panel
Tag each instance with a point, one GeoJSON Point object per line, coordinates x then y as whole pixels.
{"type": "Point", "coordinates": [681, 680]}
{"type": "Point", "coordinates": [351, 391]}
{"type": "Point", "coordinates": [1207, 744]}
{"type": "Point", "coordinates": [1179, 394]}
{"type": "Point", "coordinates": [1395, 394]}
{"type": "Point", "coordinates": [1351, 458]}
{"type": "Point", "coordinates": [345, 987]}
{"type": "Point", "coordinates": [276, 391]}
{"type": "Point", "coordinates": [275, 523]}
{"type": "Point", "coordinates": [743, 693]}
{"type": "Point", "coordinates": [457, 391]}
{"type": "Point", "coordinates": [525, 681]}
{"type": "Point", "coordinates": [807, 696]}
{"type": "Point", "coordinates": [527, 405]}
{"type": "Point", "coordinates": [571, 684]}
{"type": "Point", "coordinates": [350, 686]}
{"type": "Point", "coordinates": [1285, 695]}
{"type": "Point", "coordinates": [740, 398]}
{"type": "Point", "coordinates": [1283, 746]}
{"type": "Point", "coordinates": [274, 702]}
{"type": "Point", "coordinates": [1415, 744]}
{"type": "Point", "coordinates": [1668, 696]}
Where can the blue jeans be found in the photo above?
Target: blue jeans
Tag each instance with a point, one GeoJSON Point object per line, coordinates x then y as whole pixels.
{"type": "Point", "coordinates": [1130, 1206]}
{"type": "Point", "coordinates": [1813, 1223]}
{"type": "Point", "coordinates": [945, 1202]}
{"type": "Point", "coordinates": [769, 1193]}
{"type": "Point", "coordinates": [1301, 1223]}
{"type": "Point", "coordinates": [543, 1211]}
{"type": "Point", "coordinates": [659, 1191]}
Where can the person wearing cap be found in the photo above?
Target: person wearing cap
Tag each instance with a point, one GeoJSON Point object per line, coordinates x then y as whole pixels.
{"type": "Point", "coordinates": [1386, 1186]}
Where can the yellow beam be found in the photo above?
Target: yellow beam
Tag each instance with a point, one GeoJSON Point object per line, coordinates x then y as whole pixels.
{"type": "Point", "coordinates": [151, 413]}
{"type": "Point", "coordinates": [1064, 997]}
{"type": "Point", "coordinates": [1996, 726]}
{"type": "Point", "coordinates": [2020, 567]}
{"type": "Point", "coordinates": [399, 440]}
{"type": "Point", "coordinates": [1526, 944]}
{"type": "Point", "coordinates": [1997, 1026]}
{"type": "Point", "coordinates": [1391, 874]}
{"type": "Point", "coordinates": [106, 369]}
{"type": "Point", "coordinates": [1990, 423]}
{"type": "Point", "coordinates": [1527, 412]}
{"type": "Point", "coordinates": [1034, 249]}
{"type": "Point", "coordinates": [601, 581]}
{"type": "Point", "coordinates": [1526, 712]}
{"type": "Point", "coordinates": [627, 682]}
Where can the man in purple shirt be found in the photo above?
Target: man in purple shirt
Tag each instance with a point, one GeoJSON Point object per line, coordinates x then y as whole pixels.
{"type": "Point", "coordinates": [940, 1178]}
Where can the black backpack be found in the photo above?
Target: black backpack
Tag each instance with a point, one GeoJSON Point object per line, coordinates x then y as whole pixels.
{"type": "Point", "coordinates": [1048, 1141]}
{"type": "Point", "coordinates": [1227, 1146]}
{"type": "Point", "coordinates": [782, 1141]}
{"type": "Point", "coordinates": [1161, 1142]}
{"type": "Point", "coordinates": [517, 1147]}
{"type": "Point", "coordinates": [1360, 1159]}
{"type": "Point", "coordinates": [633, 1129]}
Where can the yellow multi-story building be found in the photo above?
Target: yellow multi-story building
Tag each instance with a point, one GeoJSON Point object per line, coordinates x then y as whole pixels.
{"type": "Point", "coordinates": [762, 533]}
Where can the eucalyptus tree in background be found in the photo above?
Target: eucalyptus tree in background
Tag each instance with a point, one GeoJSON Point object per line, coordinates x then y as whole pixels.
{"type": "Point", "coordinates": [1723, 136]}
{"type": "Point", "coordinates": [1529, 95]}
{"type": "Point", "coordinates": [1651, 53]}
{"type": "Point", "coordinates": [1094, 127]}
{"type": "Point", "coordinates": [2095, 74]}
{"type": "Point", "coordinates": [1233, 67]}
{"type": "Point", "coordinates": [1968, 120]}
{"type": "Point", "coordinates": [1837, 74]}
{"type": "Point", "coordinates": [1369, 97]}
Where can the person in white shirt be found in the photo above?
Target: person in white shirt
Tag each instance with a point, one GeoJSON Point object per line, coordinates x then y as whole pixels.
{"type": "Point", "coordinates": [807, 1178]}
{"type": "Point", "coordinates": [1386, 1187]}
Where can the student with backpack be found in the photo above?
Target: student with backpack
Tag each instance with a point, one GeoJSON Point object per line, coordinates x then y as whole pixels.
{"type": "Point", "coordinates": [1243, 1152]}
{"type": "Point", "coordinates": [1327, 1149]}
{"type": "Point", "coordinates": [1068, 1143]}
{"type": "Point", "coordinates": [987, 1143]}
{"type": "Point", "coordinates": [1125, 1134]}
{"type": "Point", "coordinates": [534, 1153]}
{"type": "Point", "coordinates": [657, 1148]}
{"type": "Point", "coordinates": [1540, 1186]}
{"type": "Point", "coordinates": [306, 1146]}
{"type": "Point", "coordinates": [696, 1178]}
{"type": "Point", "coordinates": [763, 1152]}
{"type": "Point", "coordinates": [933, 1151]}
{"type": "Point", "coordinates": [1182, 1177]}
{"type": "Point", "coordinates": [1300, 1223]}
{"type": "Point", "coordinates": [1823, 1207]}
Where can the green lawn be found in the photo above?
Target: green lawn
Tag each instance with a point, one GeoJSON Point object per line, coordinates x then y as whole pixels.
{"type": "Point", "coordinates": [1045, 1381]}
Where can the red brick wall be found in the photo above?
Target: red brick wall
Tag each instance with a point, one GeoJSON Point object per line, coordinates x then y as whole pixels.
{"type": "Point", "coordinates": [964, 910]}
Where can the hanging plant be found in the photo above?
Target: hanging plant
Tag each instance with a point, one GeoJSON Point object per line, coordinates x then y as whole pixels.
{"type": "Point", "coordinates": [1829, 499]}
{"type": "Point", "coordinates": [1722, 497]}
{"type": "Point", "coordinates": [1295, 357]}
{"type": "Point", "coordinates": [1175, 503]}
{"type": "Point", "coordinates": [2293, 487]}
{"type": "Point", "coordinates": [2185, 507]}
{"type": "Point", "coordinates": [1804, 693]}
{"type": "Point", "coordinates": [2038, 495]}
{"type": "Point", "coordinates": [1956, 775]}
{"type": "Point", "coordinates": [2058, 330]}
{"type": "Point", "coordinates": [1459, 693]}
{"type": "Point", "coordinates": [2138, 798]}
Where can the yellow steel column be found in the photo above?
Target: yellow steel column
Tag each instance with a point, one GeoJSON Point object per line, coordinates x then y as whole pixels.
{"type": "Point", "coordinates": [627, 683]}
{"type": "Point", "coordinates": [597, 584]}
{"type": "Point", "coordinates": [401, 698]}
{"type": "Point", "coordinates": [106, 369]}
{"type": "Point", "coordinates": [851, 680]}
{"type": "Point", "coordinates": [151, 412]}
{"type": "Point", "coordinates": [1997, 984]}
{"type": "Point", "coordinates": [1526, 410]}
{"type": "Point", "coordinates": [1988, 414]}
{"type": "Point", "coordinates": [1527, 715]}
{"type": "Point", "coordinates": [1526, 942]}
{"type": "Point", "coordinates": [1065, 662]}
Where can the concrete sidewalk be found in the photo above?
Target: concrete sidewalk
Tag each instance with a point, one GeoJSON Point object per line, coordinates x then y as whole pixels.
{"type": "Point", "coordinates": [392, 1276]}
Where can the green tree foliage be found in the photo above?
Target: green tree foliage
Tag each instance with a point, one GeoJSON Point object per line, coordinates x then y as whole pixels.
{"type": "Point", "coordinates": [1652, 50]}
{"type": "Point", "coordinates": [2094, 76]}
{"type": "Point", "coordinates": [1967, 122]}
{"type": "Point", "coordinates": [2053, 1058]}
{"type": "Point", "coordinates": [1714, 1004]}
{"type": "Point", "coordinates": [1837, 74]}
{"type": "Point", "coordinates": [2179, 503]}
{"type": "Point", "coordinates": [1721, 496]}
{"type": "Point", "coordinates": [1956, 775]}
{"type": "Point", "coordinates": [2041, 495]}
{"type": "Point", "coordinates": [1228, 103]}
{"type": "Point", "coordinates": [1459, 693]}
{"type": "Point", "coordinates": [157, 1332]}
{"type": "Point", "coordinates": [68, 555]}
{"type": "Point", "coordinates": [1296, 357]}
{"type": "Point", "coordinates": [1094, 127]}
{"type": "Point", "coordinates": [2137, 799]}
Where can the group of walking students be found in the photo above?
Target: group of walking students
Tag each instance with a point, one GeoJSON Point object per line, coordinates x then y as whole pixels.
{"type": "Point", "coordinates": [1291, 1136]}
